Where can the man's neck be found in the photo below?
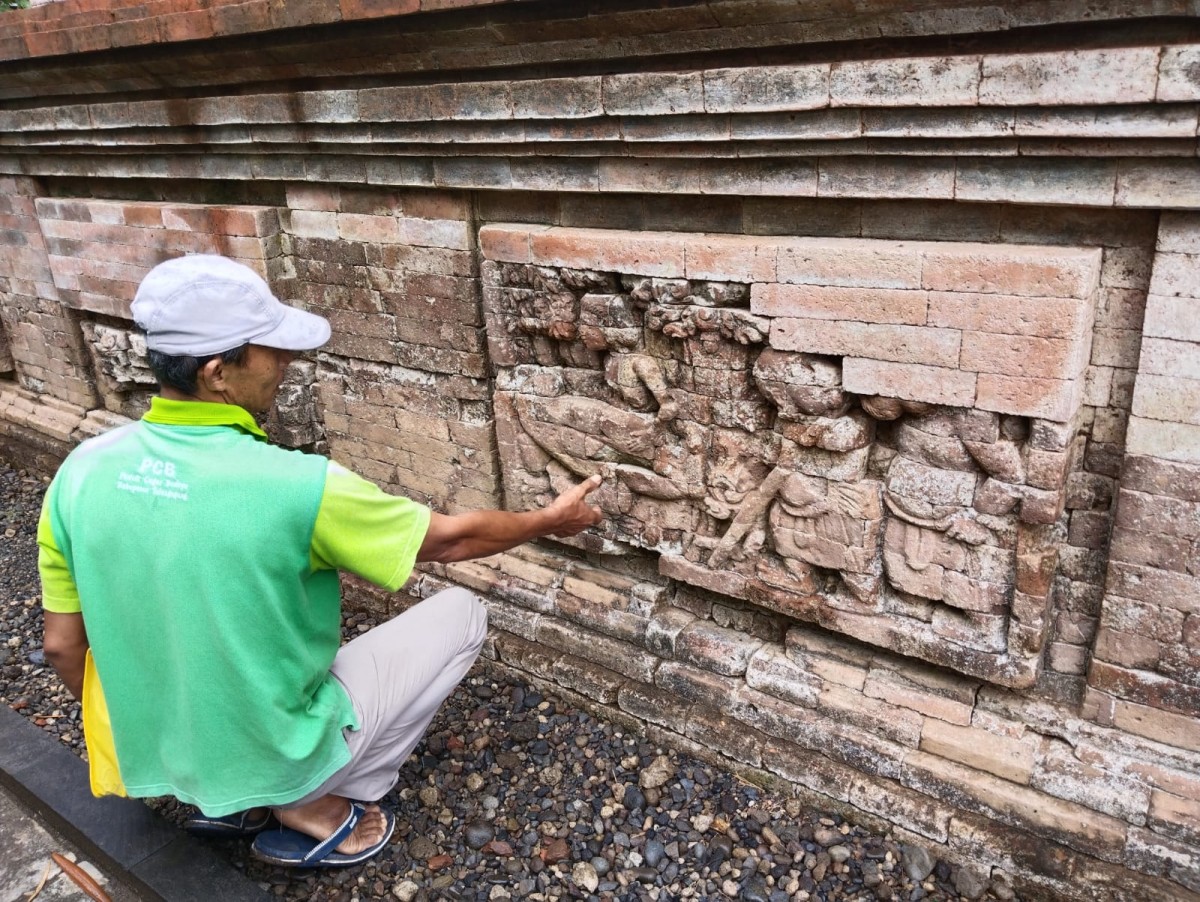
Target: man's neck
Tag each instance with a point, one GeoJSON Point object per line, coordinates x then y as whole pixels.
{"type": "Point", "coordinates": [201, 394]}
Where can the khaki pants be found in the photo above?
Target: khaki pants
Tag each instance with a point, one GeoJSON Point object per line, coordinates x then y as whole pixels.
{"type": "Point", "coordinates": [397, 676]}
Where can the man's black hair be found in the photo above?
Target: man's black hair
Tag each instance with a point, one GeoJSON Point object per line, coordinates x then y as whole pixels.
{"type": "Point", "coordinates": [180, 372]}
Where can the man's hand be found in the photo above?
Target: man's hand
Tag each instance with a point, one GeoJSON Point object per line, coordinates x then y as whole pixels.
{"type": "Point", "coordinates": [570, 513]}
{"type": "Point", "coordinates": [465, 537]}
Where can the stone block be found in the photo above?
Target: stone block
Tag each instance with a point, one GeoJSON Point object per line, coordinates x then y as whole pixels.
{"type": "Point", "coordinates": [400, 104]}
{"type": "Point", "coordinates": [314, 224]}
{"type": "Point", "coordinates": [1175, 816]}
{"type": "Point", "coordinates": [732, 259]}
{"type": "Point", "coordinates": [890, 687]}
{"type": "Point", "coordinates": [659, 254]}
{"type": "Point", "coordinates": [526, 656]}
{"type": "Point", "coordinates": [897, 177]}
{"type": "Point", "coordinates": [507, 243]}
{"type": "Point", "coordinates": [822, 125]}
{"type": "Point", "coordinates": [360, 227]}
{"type": "Point", "coordinates": [1022, 355]}
{"type": "Point", "coordinates": [1167, 357]}
{"type": "Point", "coordinates": [1091, 778]}
{"type": "Point", "coordinates": [1158, 587]}
{"type": "Point", "coordinates": [771, 671]}
{"type": "Point", "coordinates": [808, 768]}
{"type": "Point", "coordinates": [1179, 730]}
{"type": "Point", "coordinates": [468, 101]}
{"type": "Point", "coordinates": [722, 581]}
{"type": "Point", "coordinates": [651, 175]}
{"type": "Point", "coordinates": [1051, 399]}
{"type": "Point", "coordinates": [513, 619]}
{"type": "Point", "coordinates": [653, 93]}
{"type": "Point", "coordinates": [849, 263]}
{"type": "Point", "coordinates": [725, 735]}
{"type": "Point", "coordinates": [1158, 183]}
{"type": "Point", "coordinates": [698, 686]}
{"type": "Point", "coordinates": [1030, 180]}
{"type": "Point", "coordinates": [896, 724]}
{"type": "Point", "coordinates": [1008, 314]}
{"type": "Point", "coordinates": [762, 89]}
{"type": "Point", "coordinates": [910, 810]}
{"type": "Point", "coordinates": [1174, 275]}
{"type": "Point", "coordinates": [981, 749]}
{"type": "Point", "coordinates": [1026, 271]}
{"type": "Point", "coordinates": [1179, 74]}
{"type": "Point", "coordinates": [654, 705]}
{"type": "Point", "coordinates": [1167, 398]}
{"type": "Point", "coordinates": [715, 648]}
{"type": "Point", "coordinates": [1068, 823]}
{"type": "Point", "coordinates": [664, 628]}
{"type": "Point", "coordinates": [556, 98]}
{"type": "Point", "coordinates": [609, 653]}
{"type": "Point", "coordinates": [909, 381]}
{"type": "Point", "coordinates": [588, 679]}
{"type": "Point", "coordinates": [838, 303]}
{"type": "Point", "coordinates": [912, 82]}
{"type": "Point", "coordinates": [806, 644]}
{"type": "Point", "coordinates": [900, 344]}
{"type": "Point", "coordinates": [1168, 441]}
{"type": "Point", "coordinates": [1081, 77]}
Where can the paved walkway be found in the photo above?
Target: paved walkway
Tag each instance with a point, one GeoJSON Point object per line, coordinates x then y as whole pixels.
{"type": "Point", "coordinates": [46, 806]}
{"type": "Point", "coordinates": [26, 843]}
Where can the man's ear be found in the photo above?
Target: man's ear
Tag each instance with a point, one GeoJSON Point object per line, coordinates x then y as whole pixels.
{"type": "Point", "coordinates": [211, 376]}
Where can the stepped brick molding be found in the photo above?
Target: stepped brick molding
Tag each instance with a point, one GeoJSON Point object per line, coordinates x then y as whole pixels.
{"type": "Point", "coordinates": [880, 323]}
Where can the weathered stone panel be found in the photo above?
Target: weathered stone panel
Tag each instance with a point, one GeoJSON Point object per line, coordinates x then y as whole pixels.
{"type": "Point", "coordinates": [754, 472]}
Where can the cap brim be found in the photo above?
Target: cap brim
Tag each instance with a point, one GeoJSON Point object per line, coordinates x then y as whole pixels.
{"type": "Point", "coordinates": [299, 330]}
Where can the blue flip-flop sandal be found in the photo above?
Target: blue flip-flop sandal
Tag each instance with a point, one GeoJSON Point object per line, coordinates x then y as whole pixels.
{"type": "Point", "coordinates": [293, 849]}
{"type": "Point", "coordinates": [240, 823]}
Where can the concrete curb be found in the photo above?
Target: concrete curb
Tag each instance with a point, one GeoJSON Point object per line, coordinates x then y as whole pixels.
{"type": "Point", "coordinates": [123, 836]}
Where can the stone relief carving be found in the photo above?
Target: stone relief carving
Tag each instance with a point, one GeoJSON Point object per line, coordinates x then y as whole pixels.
{"type": "Point", "coordinates": [928, 529]}
{"type": "Point", "coordinates": [118, 357]}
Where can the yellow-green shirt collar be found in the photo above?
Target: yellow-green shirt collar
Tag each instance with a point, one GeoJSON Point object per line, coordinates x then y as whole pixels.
{"type": "Point", "coordinates": [166, 412]}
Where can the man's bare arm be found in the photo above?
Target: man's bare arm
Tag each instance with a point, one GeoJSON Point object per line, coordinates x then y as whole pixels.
{"type": "Point", "coordinates": [66, 645]}
{"type": "Point", "coordinates": [464, 537]}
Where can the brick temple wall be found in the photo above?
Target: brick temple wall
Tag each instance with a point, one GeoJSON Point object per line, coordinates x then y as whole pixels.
{"type": "Point", "coordinates": [880, 324]}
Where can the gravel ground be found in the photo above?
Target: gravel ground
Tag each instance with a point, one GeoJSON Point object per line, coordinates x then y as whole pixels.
{"type": "Point", "coordinates": [517, 795]}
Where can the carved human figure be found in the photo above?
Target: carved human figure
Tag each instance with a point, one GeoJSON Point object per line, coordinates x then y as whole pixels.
{"type": "Point", "coordinates": [937, 546]}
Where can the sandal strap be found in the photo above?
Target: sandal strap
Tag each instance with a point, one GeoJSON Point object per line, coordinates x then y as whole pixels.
{"type": "Point", "coordinates": [321, 849]}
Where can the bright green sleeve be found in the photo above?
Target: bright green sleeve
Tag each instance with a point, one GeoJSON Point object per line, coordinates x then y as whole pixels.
{"type": "Point", "coordinates": [363, 529]}
{"type": "Point", "coordinates": [59, 593]}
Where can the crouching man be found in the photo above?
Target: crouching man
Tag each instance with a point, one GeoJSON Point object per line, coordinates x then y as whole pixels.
{"type": "Point", "coordinates": [190, 586]}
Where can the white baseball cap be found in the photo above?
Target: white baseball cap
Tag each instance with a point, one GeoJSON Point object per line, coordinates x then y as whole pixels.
{"type": "Point", "coordinates": [204, 304]}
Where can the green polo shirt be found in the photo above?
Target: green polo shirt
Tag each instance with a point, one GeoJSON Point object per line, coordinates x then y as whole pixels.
{"type": "Point", "coordinates": [204, 561]}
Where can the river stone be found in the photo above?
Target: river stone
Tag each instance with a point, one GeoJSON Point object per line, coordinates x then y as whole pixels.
{"type": "Point", "coordinates": [657, 773]}
{"type": "Point", "coordinates": [969, 883]}
{"type": "Point", "coordinates": [918, 863]}
{"type": "Point", "coordinates": [478, 834]}
{"type": "Point", "coordinates": [585, 876]}
{"type": "Point", "coordinates": [405, 890]}
{"type": "Point", "coordinates": [653, 852]}
{"type": "Point", "coordinates": [421, 849]}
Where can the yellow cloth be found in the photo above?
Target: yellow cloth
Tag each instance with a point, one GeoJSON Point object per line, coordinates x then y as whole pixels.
{"type": "Point", "coordinates": [97, 733]}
